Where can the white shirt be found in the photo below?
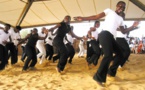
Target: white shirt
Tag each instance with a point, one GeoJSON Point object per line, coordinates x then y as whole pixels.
{"type": "Point", "coordinates": [95, 34]}
{"type": "Point", "coordinates": [41, 35]}
{"type": "Point", "coordinates": [120, 35]}
{"type": "Point", "coordinates": [69, 38]}
{"type": "Point", "coordinates": [3, 36]}
{"type": "Point", "coordinates": [112, 21]}
{"type": "Point", "coordinates": [48, 41]}
{"type": "Point", "coordinates": [14, 36]}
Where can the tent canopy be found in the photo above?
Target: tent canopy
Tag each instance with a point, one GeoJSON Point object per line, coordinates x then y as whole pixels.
{"type": "Point", "coordinates": [29, 13]}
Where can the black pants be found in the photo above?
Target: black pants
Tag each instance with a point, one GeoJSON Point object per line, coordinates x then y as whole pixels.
{"type": "Point", "coordinates": [125, 49]}
{"type": "Point", "coordinates": [3, 55]}
{"type": "Point", "coordinates": [109, 46]}
{"type": "Point", "coordinates": [96, 52]}
{"type": "Point", "coordinates": [23, 53]}
{"type": "Point", "coordinates": [13, 52]}
{"type": "Point", "coordinates": [71, 52]}
{"type": "Point", "coordinates": [31, 55]}
{"type": "Point", "coordinates": [49, 51]}
{"type": "Point", "coordinates": [62, 50]}
{"type": "Point", "coordinates": [89, 51]}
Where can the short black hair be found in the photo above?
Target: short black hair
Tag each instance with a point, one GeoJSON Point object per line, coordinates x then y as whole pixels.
{"type": "Point", "coordinates": [96, 22]}
{"type": "Point", "coordinates": [18, 27]}
{"type": "Point", "coordinates": [35, 29]}
{"type": "Point", "coordinates": [6, 24]}
{"type": "Point", "coordinates": [121, 2]}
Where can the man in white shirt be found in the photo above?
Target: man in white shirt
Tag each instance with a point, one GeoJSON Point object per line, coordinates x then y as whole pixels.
{"type": "Point", "coordinates": [49, 46]}
{"type": "Point", "coordinates": [107, 40]}
{"type": "Point", "coordinates": [70, 48]}
{"type": "Point", "coordinates": [4, 35]}
{"type": "Point", "coordinates": [93, 34]}
{"type": "Point", "coordinates": [12, 45]}
{"type": "Point", "coordinates": [120, 39]}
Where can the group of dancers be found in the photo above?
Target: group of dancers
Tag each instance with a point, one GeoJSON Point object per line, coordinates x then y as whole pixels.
{"type": "Point", "coordinates": [111, 39]}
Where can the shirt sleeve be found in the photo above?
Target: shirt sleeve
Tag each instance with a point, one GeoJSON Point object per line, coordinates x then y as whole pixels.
{"type": "Point", "coordinates": [106, 11]}
{"type": "Point", "coordinates": [122, 22]}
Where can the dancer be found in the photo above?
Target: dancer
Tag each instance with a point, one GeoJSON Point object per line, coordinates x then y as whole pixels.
{"type": "Point", "coordinates": [63, 29]}
{"type": "Point", "coordinates": [69, 44]}
{"type": "Point", "coordinates": [49, 45]}
{"type": "Point", "coordinates": [89, 49]}
{"type": "Point", "coordinates": [120, 39]}
{"type": "Point", "coordinates": [41, 46]}
{"type": "Point", "coordinates": [81, 48]}
{"type": "Point", "coordinates": [107, 41]}
{"type": "Point", "coordinates": [93, 34]}
{"type": "Point", "coordinates": [4, 35]}
{"type": "Point", "coordinates": [30, 48]}
{"type": "Point", "coordinates": [12, 45]}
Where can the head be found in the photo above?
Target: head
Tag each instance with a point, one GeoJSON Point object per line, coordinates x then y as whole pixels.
{"type": "Point", "coordinates": [120, 7]}
{"type": "Point", "coordinates": [34, 31]}
{"type": "Point", "coordinates": [17, 28]}
{"type": "Point", "coordinates": [43, 29]}
{"type": "Point", "coordinates": [67, 19]}
{"type": "Point", "coordinates": [97, 24]}
{"type": "Point", "coordinates": [7, 26]}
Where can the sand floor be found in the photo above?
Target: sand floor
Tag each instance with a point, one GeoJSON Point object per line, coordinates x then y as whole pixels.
{"type": "Point", "coordinates": [77, 76]}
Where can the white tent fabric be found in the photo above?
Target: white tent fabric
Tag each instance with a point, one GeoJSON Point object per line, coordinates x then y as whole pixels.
{"type": "Point", "coordinates": [53, 11]}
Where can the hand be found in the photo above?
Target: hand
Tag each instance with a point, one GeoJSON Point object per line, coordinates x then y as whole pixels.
{"type": "Point", "coordinates": [92, 29]}
{"type": "Point", "coordinates": [5, 42]}
{"type": "Point", "coordinates": [136, 23]}
{"type": "Point", "coordinates": [46, 31]}
{"type": "Point", "coordinates": [78, 18]}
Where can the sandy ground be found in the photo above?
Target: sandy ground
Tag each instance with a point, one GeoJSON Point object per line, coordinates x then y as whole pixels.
{"type": "Point", "coordinates": [77, 76]}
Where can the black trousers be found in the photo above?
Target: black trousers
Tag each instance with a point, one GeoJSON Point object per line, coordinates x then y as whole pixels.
{"type": "Point", "coordinates": [49, 51]}
{"type": "Point", "coordinates": [71, 52]}
{"type": "Point", "coordinates": [125, 49]}
{"type": "Point", "coordinates": [31, 55]}
{"type": "Point", "coordinates": [109, 46]}
{"type": "Point", "coordinates": [3, 55]}
{"type": "Point", "coordinates": [62, 50]}
{"type": "Point", "coordinates": [96, 52]}
{"type": "Point", "coordinates": [89, 51]}
{"type": "Point", "coordinates": [23, 53]}
{"type": "Point", "coordinates": [13, 53]}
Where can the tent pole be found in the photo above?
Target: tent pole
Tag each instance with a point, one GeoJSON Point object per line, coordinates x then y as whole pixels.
{"type": "Point", "coordinates": [24, 12]}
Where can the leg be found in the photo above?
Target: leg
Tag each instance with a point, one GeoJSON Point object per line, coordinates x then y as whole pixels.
{"type": "Point", "coordinates": [63, 56]}
{"type": "Point", "coordinates": [94, 58]}
{"type": "Point", "coordinates": [29, 52]}
{"type": "Point", "coordinates": [2, 57]}
{"type": "Point", "coordinates": [107, 46]}
{"type": "Point", "coordinates": [34, 58]}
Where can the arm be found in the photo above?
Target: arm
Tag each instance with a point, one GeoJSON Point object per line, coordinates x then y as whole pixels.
{"type": "Point", "coordinates": [133, 27]}
{"type": "Point", "coordinates": [2, 28]}
{"type": "Point", "coordinates": [23, 40]}
{"type": "Point", "coordinates": [94, 17]}
{"type": "Point", "coordinates": [73, 35]}
{"type": "Point", "coordinates": [53, 28]}
{"type": "Point", "coordinates": [89, 32]}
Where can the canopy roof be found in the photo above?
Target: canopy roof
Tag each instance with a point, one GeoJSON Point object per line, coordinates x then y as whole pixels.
{"type": "Point", "coordinates": [29, 13]}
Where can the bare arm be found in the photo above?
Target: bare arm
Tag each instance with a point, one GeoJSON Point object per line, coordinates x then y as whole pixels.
{"type": "Point", "coordinates": [53, 28]}
{"type": "Point", "coordinates": [133, 27]}
{"type": "Point", "coordinates": [74, 35]}
{"type": "Point", "coordinates": [23, 40]}
{"type": "Point", "coordinates": [94, 17]}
